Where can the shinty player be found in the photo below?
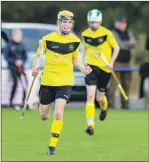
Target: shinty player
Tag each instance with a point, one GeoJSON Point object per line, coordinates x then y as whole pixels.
{"type": "Point", "coordinates": [97, 39]}
{"type": "Point", "coordinates": [61, 49]}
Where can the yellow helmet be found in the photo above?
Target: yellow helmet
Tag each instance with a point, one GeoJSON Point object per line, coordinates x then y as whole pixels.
{"type": "Point", "coordinates": [65, 21]}
{"type": "Point", "coordinates": [66, 15]}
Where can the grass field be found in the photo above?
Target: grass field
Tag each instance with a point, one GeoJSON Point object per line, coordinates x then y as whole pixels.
{"type": "Point", "coordinates": [123, 136]}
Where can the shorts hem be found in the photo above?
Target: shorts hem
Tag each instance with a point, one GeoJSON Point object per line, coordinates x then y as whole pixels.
{"type": "Point", "coordinates": [90, 84]}
{"type": "Point", "coordinates": [67, 100]}
{"type": "Point", "coordinates": [101, 90]}
{"type": "Point", "coordinates": [45, 103]}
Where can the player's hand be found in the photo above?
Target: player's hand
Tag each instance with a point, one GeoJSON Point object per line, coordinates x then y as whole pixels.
{"type": "Point", "coordinates": [34, 72]}
{"type": "Point", "coordinates": [86, 70]}
{"type": "Point", "coordinates": [110, 66]}
{"type": "Point", "coordinates": [19, 63]}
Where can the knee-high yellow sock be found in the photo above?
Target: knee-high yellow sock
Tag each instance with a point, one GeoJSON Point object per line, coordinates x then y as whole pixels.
{"type": "Point", "coordinates": [104, 104]}
{"type": "Point", "coordinates": [55, 131]}
{"type": "Point", "coordinates": [90, 113]}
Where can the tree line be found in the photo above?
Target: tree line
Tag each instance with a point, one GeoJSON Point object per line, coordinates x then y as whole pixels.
{"type": "Point", "coordinates": [46, 12]}
{"type": "Point", "coordinates": [137, 14]}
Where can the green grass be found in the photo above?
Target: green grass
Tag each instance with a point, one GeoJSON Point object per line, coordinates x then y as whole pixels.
{"type": "Point", "coordinates": [123, 136]}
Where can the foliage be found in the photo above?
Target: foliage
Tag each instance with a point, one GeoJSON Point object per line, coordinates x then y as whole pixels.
{"type": "Point", "coordinates": [46, 12]}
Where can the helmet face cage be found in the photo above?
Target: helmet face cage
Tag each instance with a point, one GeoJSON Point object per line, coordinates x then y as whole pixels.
{"type": "Point", "coordinates": [94, 25]}
{"type": "Point", "coordinates": [94, 18]}
{"type": "Point", "coordinates": [65, 24]}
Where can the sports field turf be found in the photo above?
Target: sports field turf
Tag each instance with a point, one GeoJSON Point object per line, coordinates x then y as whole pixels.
{"type": "Point", "coordinates": [123, 136]}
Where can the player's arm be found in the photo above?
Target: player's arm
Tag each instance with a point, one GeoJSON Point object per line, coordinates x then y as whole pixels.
{"type": "Point", "coordinates": [37, 59]}
{"type": "Point", "coordinates": [84, 52]}
{"type": "Point", "coordinates": [35, 64]}
{"type": "Point", "coordinates": [84, 56]}
{"type": "Point", "coordinates": [115, 54]}
{"type": "Point", "coordinates": [79, 64]}
{"type": "Point", "coordinates": [112, 41]}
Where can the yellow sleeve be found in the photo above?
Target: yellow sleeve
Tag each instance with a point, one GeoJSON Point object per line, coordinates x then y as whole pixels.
{"type": "Point", "coordinates": [44, 47]}
{"type": "Point", "coordinates": [111, 40]}
{"type": "Point", "coordinates": [76, 52]}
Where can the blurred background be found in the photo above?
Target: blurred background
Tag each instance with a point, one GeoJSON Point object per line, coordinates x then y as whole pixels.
{"type": "Point", "coordinates": [35, 19]}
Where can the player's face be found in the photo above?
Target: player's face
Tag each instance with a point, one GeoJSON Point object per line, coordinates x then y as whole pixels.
{"type": "Point", "coordinates": [66, 26]}
{"type": "Point", "coordinates": [94, 25]}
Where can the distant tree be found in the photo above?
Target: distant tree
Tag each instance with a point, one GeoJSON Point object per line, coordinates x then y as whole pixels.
{"type": "Point", "coordinates": [46, 12]}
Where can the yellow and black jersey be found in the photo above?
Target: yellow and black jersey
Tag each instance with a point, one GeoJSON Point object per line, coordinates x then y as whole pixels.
{"type": "Point", "coordinates": [100, 41]}
{"type": "Point", "coordinates": [59, 52]}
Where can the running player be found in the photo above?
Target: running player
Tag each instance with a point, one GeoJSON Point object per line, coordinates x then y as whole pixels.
{"type": "Point", "coordinates": [97, 39]}
{"type": "Point", "coordinates": [61, 51]}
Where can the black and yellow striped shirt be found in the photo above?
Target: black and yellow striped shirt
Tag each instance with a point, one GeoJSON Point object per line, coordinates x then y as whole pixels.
{"type": "Point", "coordinates": [100, 41]}
{"type": "Point", "coordinates": [59, 52]}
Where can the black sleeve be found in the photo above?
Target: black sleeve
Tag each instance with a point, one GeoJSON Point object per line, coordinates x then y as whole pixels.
{"type": "Point", "coordinates": [147, 42]}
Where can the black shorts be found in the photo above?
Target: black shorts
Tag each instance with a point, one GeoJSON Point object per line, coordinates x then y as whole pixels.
{"type": "Point", "coordinates": [48, 94]}
{"type": "Point", "coordinates": [98, 77]}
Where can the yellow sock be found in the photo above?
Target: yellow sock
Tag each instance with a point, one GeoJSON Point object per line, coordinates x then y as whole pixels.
{"type": "Point", "coordinates": [104, 104]}
{"type": "Point", "coordinates": [90, 113]}
{"type": "Point", "coordinates": [55, 130]}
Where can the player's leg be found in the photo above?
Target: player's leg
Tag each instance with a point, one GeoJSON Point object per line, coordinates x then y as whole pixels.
{"type": "Point", "coordinates": [62, 97]}
{"type": "Point", "coordinates": [56, 125]}
{"type": "Point", "coordinates": [91, 82]}
{"type": "Point", "coordinates": [90, 108]}
{"type": "Point", "coordinates": [102, 100]}
{"type": "Point", "coordinates": [44, 111]}
{"type": "Point", "coordinates": [46, 95]}
{"type": "Point", "coordinates": [100, 96]}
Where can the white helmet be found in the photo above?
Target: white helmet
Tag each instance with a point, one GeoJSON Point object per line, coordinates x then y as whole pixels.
{"type": "Point", "coordinates": [94, 15]}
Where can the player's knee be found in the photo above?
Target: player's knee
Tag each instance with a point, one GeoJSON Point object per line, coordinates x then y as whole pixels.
{"type": "Point", "coordinates": [44, 112]}
{"type": "Point", "coordinates": [100, 99]}
{"type": "Point", "coordinates": [44, 117]}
